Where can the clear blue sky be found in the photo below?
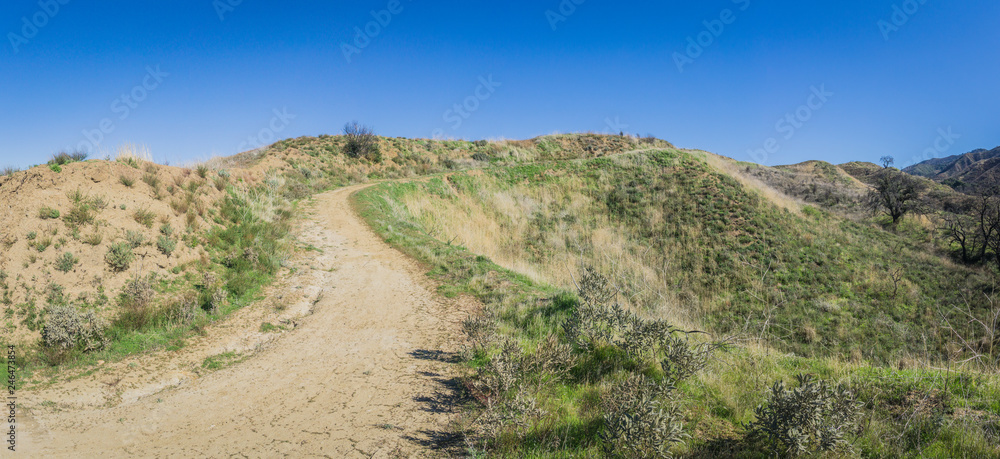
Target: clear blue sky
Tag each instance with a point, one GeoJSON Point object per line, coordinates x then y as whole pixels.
{"type": "Point", "coordinates": [603, 61]}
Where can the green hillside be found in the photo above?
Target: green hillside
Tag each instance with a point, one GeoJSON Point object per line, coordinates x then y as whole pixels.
{"type": "Point", "coordinates": [690, 242]}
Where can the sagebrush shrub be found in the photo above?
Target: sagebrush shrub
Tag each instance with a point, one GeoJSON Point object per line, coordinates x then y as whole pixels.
{"type": "Point", "coordinates": [66, 262]}
{"type": "Point", "coordinates": [813, 417]}
{"type": "Point", "coordinates": [134, 238]}
{"type": "Point", "coordinates": [500, 386]}
{"type": "Point", "coordinates": [67, 328]}
{"type": "Point", "coordinates": [166, 245]}
{"type": "Point", "coordinates": [641, 419]}
{"type": "Point", "coordinates": [119, 256]}
{"type": "Point", "coordinates": [135, 301]}
{"type": "Point", "coordinates": [599, 321]}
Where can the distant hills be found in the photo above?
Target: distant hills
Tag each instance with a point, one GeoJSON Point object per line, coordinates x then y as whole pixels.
{"type": "Point", "coordinates": [971, 172]}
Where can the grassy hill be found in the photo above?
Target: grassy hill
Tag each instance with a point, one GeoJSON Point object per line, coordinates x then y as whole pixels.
{"type": "Point", "coordinates": [639, 299]}
{"type": "Point", "coordinates": [700, 243]}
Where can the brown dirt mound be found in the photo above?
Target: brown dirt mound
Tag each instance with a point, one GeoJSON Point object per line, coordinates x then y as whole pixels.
{"type": "Point", "coordinates": [31, 243]}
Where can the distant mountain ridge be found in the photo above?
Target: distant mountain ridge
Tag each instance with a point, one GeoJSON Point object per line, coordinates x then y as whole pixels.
{"type": "Point", "coordinates": [969, 172]}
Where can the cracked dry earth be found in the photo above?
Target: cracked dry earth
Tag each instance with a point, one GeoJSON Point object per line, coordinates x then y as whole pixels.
{"type": "Point", "coordinates": [361, 376]}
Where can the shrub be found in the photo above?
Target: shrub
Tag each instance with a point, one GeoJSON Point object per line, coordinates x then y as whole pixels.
{"type": "Point", "coordinates": [183, 310]}
{"type": "Point", "coordinates": [47, 213]}
{"type": "Point", "coordinates": [811, 418]}
{"type": "Point", "coordinates": [361, 142]}
{"type": "Point", "coordinates": [67, 328]}
{"type": "Point", "coordinates": [640, 420]}
{"type": "Point", "coordinates": [500, 385]}
{"type": "Point", "coordinates": [80, 214]}
{"type": "Point", "coordinates": [98, 202]}
{"type": "Point", "coordinates": [55, 168]}
{"type": "Point", "coordinates": [166, 245]}
{"type": "Point", "coordinates": [193, 186]}
{"type": "Point", "coordinates": [134, 238]}
{"type": "Point", "coordinates": [166, 229]}
{"type": "Point", "coordinates": [152, 180]}
{"type": "Point", "coordinates": [598, 322]}
{"type": "Point", "coordinates": [214, 293]}
{"type": "Point", "coordinates": [9, 171]}
{"type": "Point", "coordinates": [94, 238]}
{"type": "Point", "coordinates": [119, 256]}
{"type": "Point", "coordinates": [63, 158]}
{"type": "Point", "coordinates": [43, 244]}
{"type": "Point", "coordinates": [202, 170]}
{"type": "Point", "coordinates": [66, 262]}
{"type": "Point", "coordinates": [179, 206]}
{"type": "Point", "coordinates": [221, 181]}
{"type": "Point", "coordinates": [126, 180]}
{"type": "Point", "coordinates": [135, 301]}
{"type": "Point", "coordinates": [144, 217]}
{"type": "Point", "coordinates": [32, 235]}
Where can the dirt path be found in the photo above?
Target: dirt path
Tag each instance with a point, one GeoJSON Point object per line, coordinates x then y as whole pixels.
{"type": "Point", "coordinates": [362, 376]}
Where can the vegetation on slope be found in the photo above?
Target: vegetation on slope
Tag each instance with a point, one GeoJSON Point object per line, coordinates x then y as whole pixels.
{"type": "Point", "coordinates": [122, 259]}
{"type": "Point", "coordinates": [687, 244]}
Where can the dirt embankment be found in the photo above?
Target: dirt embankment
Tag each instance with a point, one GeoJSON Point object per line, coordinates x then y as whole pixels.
{"type": "Point", "coordinates": [363, 375]}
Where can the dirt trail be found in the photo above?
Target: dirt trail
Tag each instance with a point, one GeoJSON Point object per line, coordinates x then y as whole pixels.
{"type": "Point", "coordinates": [362, 376]}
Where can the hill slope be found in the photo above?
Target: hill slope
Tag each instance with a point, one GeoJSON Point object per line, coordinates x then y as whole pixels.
{"type": "Point", "coordinates": [720, 280]}
{"type": "Point", "coordinates": [687, 241]}
{"type": "Point", "coordinates": [971, 172]}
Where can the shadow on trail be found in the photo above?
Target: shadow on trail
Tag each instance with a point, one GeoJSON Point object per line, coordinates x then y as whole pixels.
{"type": "Point", "coordinates": [448, 396]}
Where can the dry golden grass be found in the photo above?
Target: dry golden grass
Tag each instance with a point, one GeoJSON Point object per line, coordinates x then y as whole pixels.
{"type": "Point", "coordinates": [729, 167]}
{"type": "Point", "coordinates": [499, 223]}
{"type": "Point", "coordinates": [131, 152]}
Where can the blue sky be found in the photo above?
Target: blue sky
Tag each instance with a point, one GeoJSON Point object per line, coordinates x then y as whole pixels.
{"type": "Point", "coordinates": [192, 79]}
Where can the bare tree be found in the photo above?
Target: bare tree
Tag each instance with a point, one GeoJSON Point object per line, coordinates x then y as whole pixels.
{"type": "Point", "coordinates": [361, 141]}
{"type": "Point", "coordinates": [978, 232]}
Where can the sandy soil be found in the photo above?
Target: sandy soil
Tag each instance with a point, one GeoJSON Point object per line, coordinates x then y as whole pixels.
{"type": "Point", "coordinates": [362, 374]}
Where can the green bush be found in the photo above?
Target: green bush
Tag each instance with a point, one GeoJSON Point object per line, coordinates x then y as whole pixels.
{"type": "Point", "coordinates": [48, 213]}
{"type": "Point", "coordinates": [80, 214]}
{"type": "Point", "coordinates": [166, 245]}
{"type": "Point", "coordinates": [126, 180]}
{"type": "Point", "coordinates": [808, 419]}
{"type": "Point", "coordinates": [66, 262]}
{"type": "Point", "coordinates": [166, 230]}
{"type": "Point", "coordinates": [119, 256]}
